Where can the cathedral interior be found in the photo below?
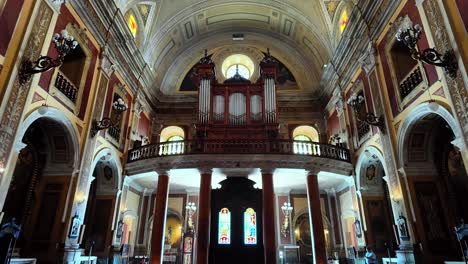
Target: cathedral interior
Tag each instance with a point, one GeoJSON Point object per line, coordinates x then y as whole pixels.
{"type": "Point", "coordinates": [234, 131]}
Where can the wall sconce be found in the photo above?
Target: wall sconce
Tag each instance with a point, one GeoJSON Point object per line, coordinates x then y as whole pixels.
{"type": "Point", "coordinates": [64, 43]}
{"type": "Point", "coordinates": [120, 106]}
{"type": "Point", "coordinates": [286, 208]}
{"type": "Point", "coordinates": [410, 38]}
{"type": "Point", "coordinates": [191, 209]}
{"type": "Point", "coordinates": [356, 102]}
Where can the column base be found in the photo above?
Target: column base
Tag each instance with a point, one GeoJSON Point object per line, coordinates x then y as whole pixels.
{"type": "Point", "coordinates": [405, 256]}
{"type": "Point", "coordinates": [69, 254]}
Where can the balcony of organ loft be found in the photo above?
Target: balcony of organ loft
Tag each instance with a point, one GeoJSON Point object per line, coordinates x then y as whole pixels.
{"type": "Point", "coordinates": [237, 118]}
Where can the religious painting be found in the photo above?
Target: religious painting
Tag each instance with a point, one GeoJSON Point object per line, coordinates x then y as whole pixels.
{"type": "Point", "coordinates": [370, 172]}
{"type": "Point", "coordinates": [286, 80]}
{"type": "Point", "coordinates": [107, 173]}
{"type": "Point", "coordinates": [403, 228]}
{"type": "Point", "coordinates": [358, 228]}
{"type": "Point", "coordinates": [187, 84]}
{"type": "Point", "coordinates": [250, 227]}
{"type": "Point", "coordinates": [120, 226]}
{"type": "Point", "coordinates": [303, 238]}
{"type": "Point", "coordinates": [435, 229]}
{"type": "Point", "coordinates": [188, 244]}
{"type": "Point", "coordinates": [224, 227]}
{"type": "Point", "coordinates": [455, 165]}
{"type": "Point", "coordinates": [74, 227]}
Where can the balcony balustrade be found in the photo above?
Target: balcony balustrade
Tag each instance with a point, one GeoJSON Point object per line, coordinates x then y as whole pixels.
{"type": "Point", "coordinates": [413, 80]}
{"type": "Point", "coordinates": [114, 132]}
{"type": "Point", "coordinates": [66, 87]}
{"type": "Point", "coordinates": [239, 146]}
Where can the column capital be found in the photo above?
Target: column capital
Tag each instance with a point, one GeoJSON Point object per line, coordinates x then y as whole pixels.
{"type": "Point", "coordinates": [162, 171]}
{"type": "Point", "coordinates": [311, 172]}
{"type": "Point", "coordinates": [205, 170]}
{"type": "Point", "coordinates": [267, 170]}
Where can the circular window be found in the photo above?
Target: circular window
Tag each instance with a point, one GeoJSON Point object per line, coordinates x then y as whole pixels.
{"type": "Point", "coordinates": [238, 63]}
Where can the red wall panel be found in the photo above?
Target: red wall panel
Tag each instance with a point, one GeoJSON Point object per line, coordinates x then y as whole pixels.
{"type": "Point", "coordinates": [8, 20]}
{"type": "Point", "coordinates": [412, 12]}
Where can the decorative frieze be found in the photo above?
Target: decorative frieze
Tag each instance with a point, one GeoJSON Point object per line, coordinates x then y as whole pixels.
{"type": "Point", "coordinates": [456, 87]}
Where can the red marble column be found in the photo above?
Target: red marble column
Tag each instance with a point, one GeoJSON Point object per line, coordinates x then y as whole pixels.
{"type": "Point", "coordinates": [159, 219]}
{"type": "Point", "coordinates": [313, 194]}
{"type": "Point", "coordinates": [204, 219]}
{"type": "Point", "coordinates": [269, 227]}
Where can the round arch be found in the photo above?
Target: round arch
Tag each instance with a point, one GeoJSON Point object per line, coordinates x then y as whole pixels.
{"type": "Point", "coordinates": [111, 156]}
{"type": "Point", "coordinates": [308, 131]}
{"type": "Point", "coordinates": [415, 115]}
{"type": "Point", "coordinates": [364, 156]}
{"type": "Point", "coordinates": [171, 131]}
{"type": "Point", "coordinates": [58, 116]}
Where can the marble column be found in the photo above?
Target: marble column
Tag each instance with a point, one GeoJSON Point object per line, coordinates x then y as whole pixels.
{"type": "Point", "coordinates": [268, 214]}
{"type": "Point", "coordinates": [204, 218]}
{"type": "Point", "coordinates": [159, 219]}
{"type": "Point", "coordinates": [315, 213]}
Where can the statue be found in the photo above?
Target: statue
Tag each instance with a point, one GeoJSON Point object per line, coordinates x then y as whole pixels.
{"type": "Point", "coordinates": [461, 232]}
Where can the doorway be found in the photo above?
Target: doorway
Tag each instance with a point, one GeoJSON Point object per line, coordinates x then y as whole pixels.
{"type": "Point", "coordinates": [236, 220]}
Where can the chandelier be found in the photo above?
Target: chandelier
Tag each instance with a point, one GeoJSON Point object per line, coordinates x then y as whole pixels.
{"type": "Point", "coordinates": [410, 38]}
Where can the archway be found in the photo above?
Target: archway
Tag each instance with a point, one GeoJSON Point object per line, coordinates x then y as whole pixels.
{"type": "Point", "coordinates": [437, 178]}
{"type": "Point", "coordinates": [40, 182]}
{"type": "Point", "coordinates": [377, 210]}
{"type": "Point", "coordinates": [101, 204]}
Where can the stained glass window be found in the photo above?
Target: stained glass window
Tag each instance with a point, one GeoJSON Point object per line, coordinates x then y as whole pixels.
{"type": "Point", "coordinates": [343, 21]}
{"type": "Point", "coordinates": [250, 227]}
{"type": "Point", "coordinates": [224, 227]}
{"type": "Point", "coordinates": [132, 24]}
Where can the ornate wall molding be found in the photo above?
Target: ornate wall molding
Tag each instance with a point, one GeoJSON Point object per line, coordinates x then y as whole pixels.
{"type": "Point", "coordinates": [456, 87]}
{"type": "Point", "coordinates": [14, 109]}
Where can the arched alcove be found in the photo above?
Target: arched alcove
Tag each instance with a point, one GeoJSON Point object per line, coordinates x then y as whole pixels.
{"type": "Point", "coordinates": [40, 181]}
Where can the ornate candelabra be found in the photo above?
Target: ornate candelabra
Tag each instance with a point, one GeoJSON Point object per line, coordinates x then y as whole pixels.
{"type": "Point", "coordinates": [410, 38]}
{"type": "Point", "coordinates": [286, 208]}
{"type": "Point", "coordinates": [64, 43]}
{"type": "Point", "coordinates": [356, 102]}
{"type": "Point", "coordinates": [191, 209]}
{"type": "Point", "coordinates": [120, 106]}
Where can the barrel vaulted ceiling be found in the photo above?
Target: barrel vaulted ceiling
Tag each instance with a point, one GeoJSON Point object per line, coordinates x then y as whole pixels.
{"type": "Point", "coordinates": [297, 32]}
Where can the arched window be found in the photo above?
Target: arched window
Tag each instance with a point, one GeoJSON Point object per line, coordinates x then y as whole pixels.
{"type": "Point", "coordinates": [250, 227]}
{"type": "Point", "coordinates": [238, 62]}
{"type": "Point", "coordinates": [132, 23]}
{"type": "Point", "coordinates": [303, 137]}
{"type": "Point", "coordinates": [171, 139]}
{"type": "Point", "coordinates": [238, 68]}
{"type": "Point", "coordinates": [224, 227]}
{"type": "Point", "coordinates": [343, 21]}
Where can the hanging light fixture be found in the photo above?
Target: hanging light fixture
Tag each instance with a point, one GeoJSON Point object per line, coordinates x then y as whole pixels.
{"type": "Point", "coordinates": [64, 43]}
{"type": "Point", "coordinates": [356, 102]}
{"type": "Point", "coordinates": [191, 209]}
{"type": "Point", "coordinates": [120, 106]}
{"type": "Point", "coordinates": [410, 38]}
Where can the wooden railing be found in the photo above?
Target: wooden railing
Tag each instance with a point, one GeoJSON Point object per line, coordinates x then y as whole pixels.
{"type": "Point", "coordinates": [412, 80]}
{"type": "Point", "coordinates": [66, 87]}
{"type": "Point", "coordinates": [239, 146]}
{"type": "Point", "coordinates": [114, 132]}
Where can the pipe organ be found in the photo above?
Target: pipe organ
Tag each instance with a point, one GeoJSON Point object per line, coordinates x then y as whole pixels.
{"type": "Point", "coordinates": [236, 108]}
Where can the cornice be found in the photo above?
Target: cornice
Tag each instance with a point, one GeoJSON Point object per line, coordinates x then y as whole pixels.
{"type": "Point", "coordinates": [355, 42]}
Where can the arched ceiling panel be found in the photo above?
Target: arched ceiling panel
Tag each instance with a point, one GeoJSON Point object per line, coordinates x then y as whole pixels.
{"type": "Point", "coordinates": [295, 32]}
